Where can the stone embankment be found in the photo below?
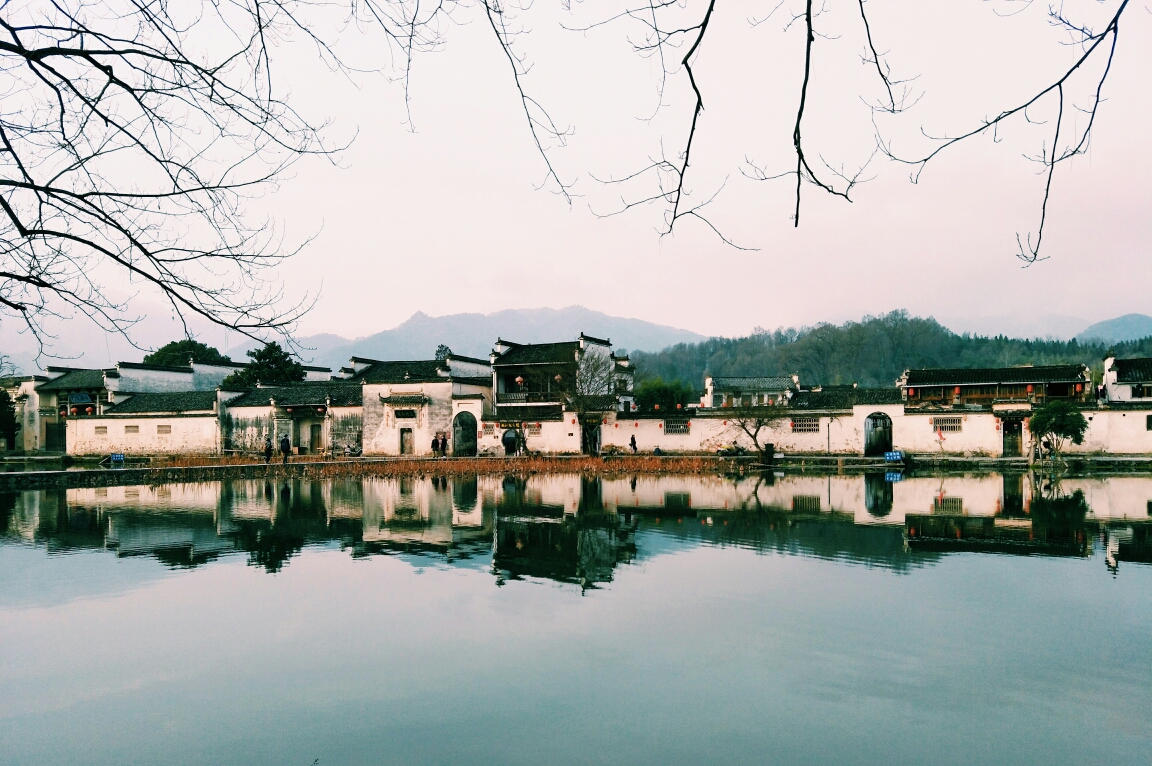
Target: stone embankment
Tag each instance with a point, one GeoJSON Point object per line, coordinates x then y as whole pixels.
{"type": "Point", "coordinates": [366, 467]}
{"type": "Point", "coordinates": [193, 470]}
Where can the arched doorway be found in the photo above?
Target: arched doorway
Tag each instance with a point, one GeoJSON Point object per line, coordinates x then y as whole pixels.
{"type": "Point", "coordinates": [877, 434]}
{"type": "Point", "coordinates": [464, 435]}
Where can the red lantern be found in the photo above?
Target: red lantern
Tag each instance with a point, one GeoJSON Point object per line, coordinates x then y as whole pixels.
{"type": "Point", "coordinates": [1029, 388]}
{"type": "Point", "coordinates": [320, 410]}
{"type": "Point", "coordinates": [1079, 387]}
{"type": "Point", "coordinates": [75, 410]}
{"type": "Point", "coordinates": [677, 406]}
{"type": "Point", "coordinates": [88, 410]}
{"type": "Point", "coordinates": [911, 392]}
{"type": "Point", "coordinates": [656, 406]}
{"type": "Point", "coordinates": [956, 390]}
{"type": "Point", "coordinates": [519, 380]}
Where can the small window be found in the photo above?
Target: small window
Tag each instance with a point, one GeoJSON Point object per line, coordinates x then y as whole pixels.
{"type": "Point", "coordinates": [532, 429]}
{"type": "Point", "coordinates": [1148, 422]}
{"type": "Point", "coordinates": [805, 425]}
{"type": "Point", "coordinates": [1138, 391]}
{"type": "Point", "coordinates": [676, 427]}
{"type": "Point", "coordinates": [947, 425]}
{"type": "Point", "coordinates": [806, 503]}
{"type": "Point", "coordinates": [677, 501]}
{"type": "Point", "coordinates": [489, 429]}
{"type": "Point", "coordinates": [717, 400]}
{"type": "Point", "coordinates": [101, 430]}
{"type": "Point", "coordinates": [131, 429]}
{"type": "Point", "coordinates": [163, 429]}
{"type": "Point", "coordinates": [949, 505]}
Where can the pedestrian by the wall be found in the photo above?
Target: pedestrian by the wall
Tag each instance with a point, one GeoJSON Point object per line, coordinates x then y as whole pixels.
{"type": "Point", "coordinates": [632, 444]}
{"type": "Point", "coordinates": [285, 447]}
{"type": "Point", "coordinates": [268, 450]}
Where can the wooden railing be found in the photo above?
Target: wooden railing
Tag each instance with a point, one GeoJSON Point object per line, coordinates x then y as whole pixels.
{"type": "Point", "coordinates": [527, 397]}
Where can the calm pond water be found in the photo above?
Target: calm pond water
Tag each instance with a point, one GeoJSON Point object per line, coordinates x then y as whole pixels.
{"type": "Point", "coordinates": [565, 619]}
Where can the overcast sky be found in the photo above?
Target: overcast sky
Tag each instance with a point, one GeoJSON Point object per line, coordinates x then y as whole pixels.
{"type": "Point", "coordinates": [449, 219]}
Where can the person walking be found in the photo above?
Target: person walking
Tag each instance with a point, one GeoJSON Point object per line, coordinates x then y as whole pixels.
{"type": "Point", "coordinates": [632, 444]}
{"type": "Point", "coordinates": [268, 450]}
{"type": "Point", "coordinates": [285, 447]}
{"type": "Point", "coordinates": [436, 445]}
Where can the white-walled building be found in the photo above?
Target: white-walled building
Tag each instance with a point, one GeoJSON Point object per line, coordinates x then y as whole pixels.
{"type": "Point", "coordinates": [1127, 380]}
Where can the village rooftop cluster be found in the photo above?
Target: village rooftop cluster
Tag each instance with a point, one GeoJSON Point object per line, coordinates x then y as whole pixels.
{"type": "Point", "coordinates": [567, 397]}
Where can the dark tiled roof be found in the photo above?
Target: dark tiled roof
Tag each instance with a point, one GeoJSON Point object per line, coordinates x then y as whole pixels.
{"type": "Point", "coordinates": [540, 353]}
{"type": "Point", "coordinates": [1133, 370]}
{"type": "Point", "coordinates": [601, 341]}
{"type": "Point", "coordinates": [179, 401]}
{"type": "Point", "coordinates": [342, 393]}
{"type": "Point", "coordinates": [769, 383]}
{"type": "Point", "coordinates": [463, 358]}
{"type": "Point", "coordinates": [73, 380]}
{"type": "Point", "coordinates": [843, 398]}
{"type": "Point", "coordinates": [157, 367]}
{"type": "Point", "coordinates": [473, 381]}
{"type": "Point", "coordinates": [1057, 373]}
{"type": "Point", "coordinates": [427, 371]}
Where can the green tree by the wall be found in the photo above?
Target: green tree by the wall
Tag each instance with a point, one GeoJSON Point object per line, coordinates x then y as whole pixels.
{"type": "Point", "coordinates": [270, 365]}
{"type": "Point", "coordinates": [442, 352]}
{"type": "Point", "coordinates": [179, 353]}
{"type": "Point", "coordinates": [1058, 422]}
{"type": "Point", "coordinates": [8, 423]}
{"type": "Point", "coordinates": [667, 395]}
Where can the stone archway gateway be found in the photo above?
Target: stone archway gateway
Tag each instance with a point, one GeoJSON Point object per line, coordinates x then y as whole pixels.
{"type": "Point", "coordinates": [464, 435]}
{"type": "Point", "coordinates": [877, 434]}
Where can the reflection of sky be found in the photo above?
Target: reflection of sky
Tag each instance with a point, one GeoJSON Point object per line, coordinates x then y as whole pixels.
{"type": "Point", "coordinates": [714, 655]}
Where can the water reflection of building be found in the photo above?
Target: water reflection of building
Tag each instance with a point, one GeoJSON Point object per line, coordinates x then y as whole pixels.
{"type": "Point", "coordinates": [580, 530]}
{"type": "Point", "coordinates": [538, 539]}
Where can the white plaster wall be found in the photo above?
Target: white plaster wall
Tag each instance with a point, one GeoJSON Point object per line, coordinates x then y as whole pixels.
{"type": "Point", "coordinates": [140, 381]}
{"type": "Point", "coordinates": [206, 377]}
{"type": "Point", "coordinates": [190, 435]}
{"type": "Point", "coordinates": [1115, 432]}
{"type": "Point", "coordinates": [382, 427]}
{"type": "Point", "coordinates": [557, 437]}
{"type": "Point", "coordinates": [980, 434]}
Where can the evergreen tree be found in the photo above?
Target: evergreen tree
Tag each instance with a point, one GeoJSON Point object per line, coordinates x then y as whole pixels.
{"type": "Point", "coordinates": [8, 423]}
{"type": "Point", "coordinates": [179, 353]}
{"type": "Point", "coordinates": [1056, 422]}
{"type": "Point", "coordinates": [270, 365]}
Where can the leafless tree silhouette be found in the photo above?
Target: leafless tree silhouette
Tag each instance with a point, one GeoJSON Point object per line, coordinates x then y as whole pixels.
{"type": "Point", "coordinates": [133, 133]}
{"type": "Point", "coordinates": [664, 32]}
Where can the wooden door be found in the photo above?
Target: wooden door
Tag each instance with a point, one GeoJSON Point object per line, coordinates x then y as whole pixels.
{"type": "Point", "coordinates": [407, 445]}
{"type": "Point", "coordinates": [1013, 440]}
{"type": "Point", "coordinates": [317, 434]}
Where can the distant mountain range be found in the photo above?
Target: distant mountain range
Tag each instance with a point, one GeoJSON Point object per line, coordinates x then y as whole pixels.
{"type": "Point", "coordinates": [85, 345]}
{"type": "Point", "coordinates": [475, 334]}
{"type": "Point", "coordinates": [1118, 330]}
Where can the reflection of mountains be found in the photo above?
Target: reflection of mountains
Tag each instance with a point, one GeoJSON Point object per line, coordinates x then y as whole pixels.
{"type": "Point", "coordinates": [578, 530]}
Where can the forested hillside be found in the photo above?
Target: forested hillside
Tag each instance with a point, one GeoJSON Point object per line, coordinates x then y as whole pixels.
{"type": "Point", "coordinates": [871, 352]}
